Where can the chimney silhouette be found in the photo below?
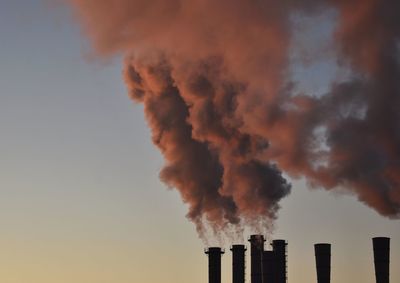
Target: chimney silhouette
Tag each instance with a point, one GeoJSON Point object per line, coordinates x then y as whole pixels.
{"type": "Point", "coordinates": [238, 263]}
{"type": "Point", "coordinates": [256, 250]}
{"type": "Point", "coordinates": [279, 249]}
{"type": "Point", "coordinates": [381, 258]}
{"type": "Point", "coordinates": [323, 262]}
{"type": "Point", "coordinates": [268, 264]}
{"type": "Point", "coordinates": [214, 264]}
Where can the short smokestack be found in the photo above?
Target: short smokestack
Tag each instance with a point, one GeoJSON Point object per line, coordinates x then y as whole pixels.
{"type": "Point", "coordinates": [381, 259]}
{"type": "Point", "coordinates": [279, 249]}
{"type": "Point", "coordinates": [256, 250]}
{"type": "Point", "coordinates": [323, 262]}
{"type": "Point", "coordinates": [214, 264]}
{"type": "Point", "coordinates": [268, 263]}
{"type": "Point", "coordinates": [238, 263]}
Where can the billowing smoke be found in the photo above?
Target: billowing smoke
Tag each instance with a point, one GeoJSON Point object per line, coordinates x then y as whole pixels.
{"type": "Point", "coordinates": [213, 78]}
{"type": "Point", "coordinates": [361, 116]}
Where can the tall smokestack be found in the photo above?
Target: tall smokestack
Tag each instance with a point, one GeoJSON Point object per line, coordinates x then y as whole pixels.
{"type": "Point", "coordinates": [268, 264]}
{"type": "Point", "coordinates": [214, 264]}
{"type": "Point", "coordinates": [381, 259]}
{"type": "Point", "coordinates": [238, 263]}
{"type": "Point", "coordinates": [279, 248]}
{"type": "Point", "coordinates": [256, 250]}
{"type": "Point", "coordinates": [323, 262]}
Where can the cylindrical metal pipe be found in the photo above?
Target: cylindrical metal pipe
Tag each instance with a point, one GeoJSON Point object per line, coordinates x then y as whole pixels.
{"type": "Point", "coordinates": [238, 263]}
{"type": "Point", "coordinates": [279, 248]}
{"type": "Point", "coordinates": [381, 258]}
{"type": "Point", "coordinates": [214, 264]}
{"type": "Point", "coordinates": [256, 249]}
{"type": "Point", "coordinates": [268, 263]}
{"type": "Point", "coordinates": [323, 262]}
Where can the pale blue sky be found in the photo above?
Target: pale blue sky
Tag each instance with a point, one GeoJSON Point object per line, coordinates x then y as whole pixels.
{"type": "Point", "coordinates": [80, 196]}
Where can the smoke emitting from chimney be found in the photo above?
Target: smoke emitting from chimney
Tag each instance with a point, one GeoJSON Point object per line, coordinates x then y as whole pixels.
{"type": "Point", "coordinates": [213, 79]}
{"type": "Point", "coordinates": [256, 252]}
{"type": "Point", "coordinates": [270, 266]}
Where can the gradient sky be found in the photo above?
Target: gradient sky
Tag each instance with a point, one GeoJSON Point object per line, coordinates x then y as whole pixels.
{"type": "Point", "coordinates": [80, 197]}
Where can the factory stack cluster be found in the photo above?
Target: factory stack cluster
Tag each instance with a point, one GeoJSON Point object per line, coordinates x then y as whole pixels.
{"type": "Point", "coordinates": [270, 265]}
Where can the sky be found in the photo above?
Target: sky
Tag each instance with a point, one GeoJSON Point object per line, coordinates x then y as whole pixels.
{"type": "Point", "coordinates": [80, 196]}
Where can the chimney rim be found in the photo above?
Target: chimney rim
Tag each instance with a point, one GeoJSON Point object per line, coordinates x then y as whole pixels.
{"type": "Point", "coordinates": [322, 245]}
{"type": "Point", "coordinates": [238, 247]}
{"type": "Point", "coordinates": [214, 250]}
{"type": "Point", "coordinates": [380, 238]}
{"type": "Point", "coordinates": [256, 237]}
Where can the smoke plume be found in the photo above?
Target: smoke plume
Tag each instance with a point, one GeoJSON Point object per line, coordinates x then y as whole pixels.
{"type": "Point", "coordinates": [213, 79]}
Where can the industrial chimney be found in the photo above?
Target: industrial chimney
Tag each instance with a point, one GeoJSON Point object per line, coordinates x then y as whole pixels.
{"type": "Point", "coordinates": [238, 263]}
{"type": "Point", "coordinates": [214, 264]}
{"type": "Point", "coordinates": [256, 250]}
{"type": "Point", "coordinates": [268, 264]}
{"type": "Point", "coordinates": [279, 249]}
{"type": "Point", "coordinates": [381, 259]}
{"type": "Point", "coordinates": [323, 262]}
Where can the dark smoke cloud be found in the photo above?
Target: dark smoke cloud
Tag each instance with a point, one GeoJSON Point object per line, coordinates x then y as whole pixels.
{"type": "Point", "coordinates": [212, 163]}
{"type": "Point", "coordinates": [366, 150]}
{"type": "Point", "coordinates": [213, 78]}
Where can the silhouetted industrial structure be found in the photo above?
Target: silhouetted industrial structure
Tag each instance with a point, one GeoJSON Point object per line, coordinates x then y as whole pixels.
{"type": "Point", "coordinates": [323, 262]}
{"type": "Point", "coordinates": [381, 247]}
{"type": "Point", "coordinates": [238, 263]}
{"type": "Point", "coordinates": [279, 249]}
{"type": "Point", "coordinates": [214, 264]}
{"type": "Point", "coordinates": [256, 251]}
{"type": "Point", "coordinates": [270, 266]}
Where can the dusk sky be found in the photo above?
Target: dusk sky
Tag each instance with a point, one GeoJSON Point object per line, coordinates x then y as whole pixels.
{"type": "Point", "coordinates": [81, 199]}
